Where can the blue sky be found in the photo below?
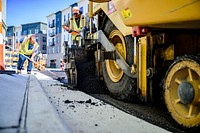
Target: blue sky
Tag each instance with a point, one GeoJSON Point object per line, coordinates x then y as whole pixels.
{"type": "Point", "coordinates": [30, 11]}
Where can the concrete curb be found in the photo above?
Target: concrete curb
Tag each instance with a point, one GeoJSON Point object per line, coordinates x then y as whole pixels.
{"type": "Point", "coordinates": [41, 115]}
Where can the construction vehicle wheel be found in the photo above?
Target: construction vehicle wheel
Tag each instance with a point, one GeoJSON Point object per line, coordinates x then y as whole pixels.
{"type": "Point", "coordinates": [182, 91]}
{"type": "Point", "coordinates": [118, 83]}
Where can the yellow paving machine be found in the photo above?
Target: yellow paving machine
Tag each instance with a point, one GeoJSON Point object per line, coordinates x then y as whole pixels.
{"type": "Point", "coordinates": [146, 50]}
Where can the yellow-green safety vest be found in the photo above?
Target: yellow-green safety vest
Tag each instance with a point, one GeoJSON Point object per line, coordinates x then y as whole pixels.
{"type": "Point", "coordinates": [74, 26]}
{"type": "Point", "coordinates": [24, 47]}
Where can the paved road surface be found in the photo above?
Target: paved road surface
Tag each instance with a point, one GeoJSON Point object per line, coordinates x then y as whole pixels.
{"type": "Point", "coordinates": [85, 114]}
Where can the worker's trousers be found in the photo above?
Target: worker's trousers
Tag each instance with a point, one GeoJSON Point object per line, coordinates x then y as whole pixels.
{"type": "Point", "coordinates": [21, 61]}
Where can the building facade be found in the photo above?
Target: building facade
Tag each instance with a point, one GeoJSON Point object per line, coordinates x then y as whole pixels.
{"type": "Point", "coordinates": [18, 32]}
{"type": "Point", "coordinates": [14, 34]}
{"type": "Point", "coordinates": [54, 47]}
{"type": "Point", "coordinates": [11, 36]}
{"type": "Point", "coordinates": [57, 37]}
{"type": "Point", "coordinates": [66, 37]}
{"type": "Point", "coordinates": [39, 29]}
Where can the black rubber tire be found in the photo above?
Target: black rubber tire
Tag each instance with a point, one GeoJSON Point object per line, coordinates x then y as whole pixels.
{"type": "Point", "coordinates": [124, 89]}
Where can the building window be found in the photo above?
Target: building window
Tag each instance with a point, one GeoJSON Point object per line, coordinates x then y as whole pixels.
{"type": "Point", "coordinates": [44, 47]}
{"type": "Point", "coordinates": [68, 15]}
{"type": "Point", "coordinates": [9, 41]}
{"type": "Point", "coordinates": [53, 63]}
{"type": "Point", "coordinates": [16, 34]}
{"type": "Point", "coordinates": [81, 10]}
{"type": "Point", "coordinates": [25, 32]}
{"type": "Point", "coordinates": [44, 39]}
{"type": "Point", "coordinates": [58, 30]}
{"type": "Point", "coordinates": [53, 41]}
{"type": "Point", "coordinates": [9, 33]}
{"type": "Point", "coordinates": [36, 31]}
{"type": "Point", "coordinates": [53, 22]}
{"type": "Point", "coordinates": [36, 38]}
{"type": "Point", "coordinates": [64, 18]}
{"type": "Point", "coordinates": [16, 40]}
{"type": "Point", "coordinates": [30, 31]}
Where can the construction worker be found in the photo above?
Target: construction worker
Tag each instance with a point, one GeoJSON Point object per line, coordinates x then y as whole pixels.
{"type": "Point", "coordinates": [28, 48]}
{"type": "Point", "coordinates": [75, 25]}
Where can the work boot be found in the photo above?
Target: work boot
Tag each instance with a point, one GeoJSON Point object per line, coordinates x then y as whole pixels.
{"type": "Point", "coordinates": [28, 72]}
{"type": "Point", "coordinates": [19, 72]}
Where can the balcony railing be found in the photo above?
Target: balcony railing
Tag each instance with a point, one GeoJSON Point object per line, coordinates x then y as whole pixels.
{"type": "Point", "coordinates": [52, 25]}
{"type": "Point", "coordinates": [52, 34]}
{"type": "Point", "coordinates": [51, 43]}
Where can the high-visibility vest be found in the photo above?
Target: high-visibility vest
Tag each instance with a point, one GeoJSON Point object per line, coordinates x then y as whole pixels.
{"type": "Point", "coordinates": [24, 47]}
{"type": "Point", "coordinates": [73, 26]}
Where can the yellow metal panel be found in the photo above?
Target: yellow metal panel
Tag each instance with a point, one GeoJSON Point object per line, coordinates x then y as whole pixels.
{"type": "Point", "coordinates": [114, 17]}
{"type": "Point", "coordinates": [139, 68]}
{"type": "Point", "coordinates": [146, 12]}
{"type": "Point", "coordinates": [99, 1]}
{"type": "Point", "coordinates": [90, 9]}
{"type": "Point", "coordinates": [143, 66]}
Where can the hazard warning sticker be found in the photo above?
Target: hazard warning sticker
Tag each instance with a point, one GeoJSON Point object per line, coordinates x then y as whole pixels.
{"type": "Point", "coordinates": [126, 13]}
{"type": "Point", "coordinates": [111, 7]}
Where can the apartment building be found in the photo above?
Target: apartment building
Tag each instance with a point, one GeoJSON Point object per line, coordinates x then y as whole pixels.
{"type": "Point", "coordinates": [57, 37]}
{"type": "Point", "coordinates": [14, 34]}
{"type": "Point", "coordinates": [18, 32]}
{"type": "Point", "coordinates": [40, 31]}
{"type": "Point", "coordinates": [54, 45]}
{"type": "Point", "coordinates": [66, 37]}
{"type": "Point", "coordinates": [11, 36]}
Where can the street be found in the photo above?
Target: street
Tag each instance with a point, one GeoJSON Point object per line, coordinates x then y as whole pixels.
{"type": "Point", "coordinates": [51, 107]}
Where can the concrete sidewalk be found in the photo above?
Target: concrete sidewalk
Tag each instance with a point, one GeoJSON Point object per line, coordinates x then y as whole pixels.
{"type": "Point", "coordinates": [24, 107]}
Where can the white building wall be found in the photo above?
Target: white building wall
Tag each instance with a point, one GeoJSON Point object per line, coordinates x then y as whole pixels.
{"type": "Point", "coordinates": [66, 14]}
{"type": "Point", "coordinates": [50, 18]}
{"type": "Point", "coordinates": [18, 36]}
{"type": "Point", "coordinates": [84, 4]}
